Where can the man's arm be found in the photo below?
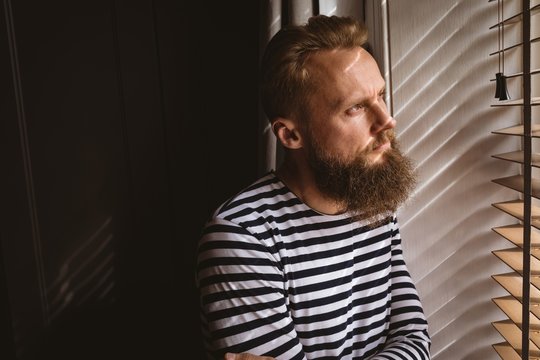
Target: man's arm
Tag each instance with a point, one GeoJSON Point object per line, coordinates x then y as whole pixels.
{"type": "Point", "coordinates": [408, 337]}
{"type": "Point", "coordinates": [242, 294]}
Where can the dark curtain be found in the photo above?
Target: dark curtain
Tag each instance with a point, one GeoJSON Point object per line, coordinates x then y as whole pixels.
{"type": "Point", "coordinates": [123, 125]}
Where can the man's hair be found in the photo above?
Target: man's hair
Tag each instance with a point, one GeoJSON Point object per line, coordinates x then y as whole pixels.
{"type": "Point", "coordinates": [285, 79]}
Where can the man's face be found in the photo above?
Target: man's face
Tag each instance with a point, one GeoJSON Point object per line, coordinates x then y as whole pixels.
{"type": "Point", "coordinates": [350, 139]}
{"type": "Point", "coordinates": [348, 114]}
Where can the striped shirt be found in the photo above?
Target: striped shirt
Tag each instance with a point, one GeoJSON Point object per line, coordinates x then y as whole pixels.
{"type": "Point", "coordinates": [277, 278]}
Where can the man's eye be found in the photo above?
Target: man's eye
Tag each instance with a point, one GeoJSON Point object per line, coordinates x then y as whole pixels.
{"type": "Point", "coordinates": [354, 109]}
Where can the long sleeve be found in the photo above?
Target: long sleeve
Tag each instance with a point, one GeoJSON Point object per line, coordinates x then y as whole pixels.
{"type": "Point", "coordinates": [243, 301]}
{"type": "Point", "coordinates": [408, 337]}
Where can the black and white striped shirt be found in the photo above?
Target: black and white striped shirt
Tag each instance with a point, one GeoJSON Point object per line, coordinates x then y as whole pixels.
{"type": "Point", "coordinates": [277, 278]}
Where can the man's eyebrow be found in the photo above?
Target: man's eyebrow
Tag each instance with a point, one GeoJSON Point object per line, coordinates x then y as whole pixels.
{"type": "Point", "coordinates": [338, 102]}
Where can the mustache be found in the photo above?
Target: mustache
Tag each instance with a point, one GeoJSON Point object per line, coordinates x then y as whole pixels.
{"type": "Point", "coordinates": [382, 138]}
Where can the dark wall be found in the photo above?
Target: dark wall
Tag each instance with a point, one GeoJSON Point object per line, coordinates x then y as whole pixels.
{"type": "Point", "coordinates": [123, 124]}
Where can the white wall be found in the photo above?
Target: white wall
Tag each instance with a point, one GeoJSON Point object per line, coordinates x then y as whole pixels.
{"type": "Point", "coordinates": [441, 100]}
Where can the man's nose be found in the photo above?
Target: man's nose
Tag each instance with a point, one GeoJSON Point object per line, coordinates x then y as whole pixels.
{"type": "Point", "coordinates": [381, 119]}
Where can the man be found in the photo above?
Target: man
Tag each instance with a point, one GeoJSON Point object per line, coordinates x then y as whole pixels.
{"type": "Point", "coordinates": [306, 263]}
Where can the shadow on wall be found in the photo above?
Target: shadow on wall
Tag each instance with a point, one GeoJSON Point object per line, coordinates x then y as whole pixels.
{"type": "Point", "coordinates": [86, 276]}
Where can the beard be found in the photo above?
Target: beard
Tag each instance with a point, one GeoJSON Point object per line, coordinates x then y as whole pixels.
{"type": "Point", "coordinates": [366, 190]}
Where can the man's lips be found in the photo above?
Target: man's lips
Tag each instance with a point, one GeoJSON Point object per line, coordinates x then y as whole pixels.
{"type": "Point", "coordinates": [381, 146]}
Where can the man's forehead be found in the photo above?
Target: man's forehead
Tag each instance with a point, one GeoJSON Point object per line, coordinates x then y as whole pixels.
{"type": "Point", "coordinates": [342, 62]}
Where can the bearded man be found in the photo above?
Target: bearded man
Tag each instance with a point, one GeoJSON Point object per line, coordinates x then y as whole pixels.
{"type": "Point", "coordinates": [306, 263]}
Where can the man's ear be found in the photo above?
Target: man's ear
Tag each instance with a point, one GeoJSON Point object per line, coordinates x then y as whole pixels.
{"type": "Point", "coordinates": [287, 133]}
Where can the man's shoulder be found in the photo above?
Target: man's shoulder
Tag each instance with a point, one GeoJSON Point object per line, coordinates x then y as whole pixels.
{"type": "Point", "coordinates": [253, 211]}
{"type": "Point", "coordinates": [264, 195]}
